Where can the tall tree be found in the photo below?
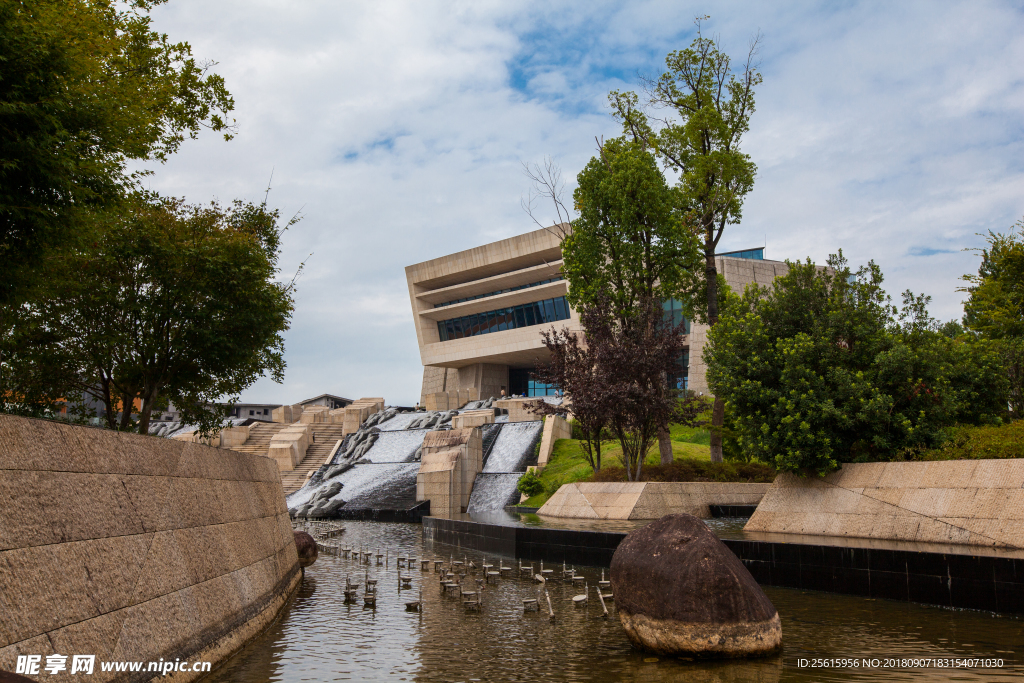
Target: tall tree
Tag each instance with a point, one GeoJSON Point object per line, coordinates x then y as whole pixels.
{"type": "Point", "coordinates": [708, 108]}
{"type": "Point", "coordinates": [171, 302]}
{"type": "Point", "coordinates": [629, 243]}
{"type": "Point", "coordinates": [88, 87]}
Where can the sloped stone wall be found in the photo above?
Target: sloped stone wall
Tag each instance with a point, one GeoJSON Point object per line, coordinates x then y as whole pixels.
{"type": "Point", "coordinates": [647, 500]}
{"type": "Point", "coordinates": [972, 502]}
{"type": "Point", "coordinates": [135, 548]}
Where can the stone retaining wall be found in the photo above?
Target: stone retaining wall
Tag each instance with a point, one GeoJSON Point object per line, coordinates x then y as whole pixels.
{"type": "Point", "coordinates": [972, 502]}
{"type": "Point", "coordinates": [647, 500]}
{"type": "Point", "coordinates": [135, 548]}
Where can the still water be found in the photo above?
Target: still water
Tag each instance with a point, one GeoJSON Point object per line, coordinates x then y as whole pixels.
{"type": "Point", "coordinates": [320, 638]}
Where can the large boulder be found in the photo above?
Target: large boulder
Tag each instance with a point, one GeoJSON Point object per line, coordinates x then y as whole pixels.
{"type": "Point", "coordinates": [679, 591]}
{"type": "Point", "coordinates": [306, 547]}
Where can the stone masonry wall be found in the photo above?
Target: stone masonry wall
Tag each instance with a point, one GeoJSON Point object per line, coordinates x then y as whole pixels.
{"type": "Point", "coordinates": [972, 502]}
{"type": "Point", "coordinates": [135, 548]}
{"type": "Point", "coordinates": [738, 273]}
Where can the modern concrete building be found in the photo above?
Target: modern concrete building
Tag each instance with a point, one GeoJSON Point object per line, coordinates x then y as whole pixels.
{"type": "Point", "coordinates": [479, 313]}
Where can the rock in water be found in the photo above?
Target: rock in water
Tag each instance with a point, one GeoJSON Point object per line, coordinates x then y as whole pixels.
{"type": "Point", "coordinates": [679, 591]}
{"type": "Point", "coordinates": [306, 547]}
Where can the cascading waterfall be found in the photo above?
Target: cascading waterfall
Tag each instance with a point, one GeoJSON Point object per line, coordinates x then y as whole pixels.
{"type": "Point", "coordinates": [493, 491]}
{"type": "Point", "coordinates": [375, 469]}
{"type": "Point", "coordinates": [513, 447]}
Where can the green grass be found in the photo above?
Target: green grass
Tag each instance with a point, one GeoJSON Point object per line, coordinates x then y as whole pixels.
{"type": "Point", "coordinates": [567, 464]}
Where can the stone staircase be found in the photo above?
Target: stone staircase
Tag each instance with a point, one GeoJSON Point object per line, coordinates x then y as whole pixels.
{"type": "Point", "coordinates": [327, 434]}
{"type": "Point", "coordinates": [258, 442]}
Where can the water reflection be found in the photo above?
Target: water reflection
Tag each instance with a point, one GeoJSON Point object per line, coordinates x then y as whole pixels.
{"type": "Point", "coordinates": [319, 638]}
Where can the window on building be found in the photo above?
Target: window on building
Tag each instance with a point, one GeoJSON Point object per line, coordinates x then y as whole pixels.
{"type": "Point", "coordinates": [252, 412]}
{"type": "Point", "coordinates": [499, 291]}
{"type": "Point", "coordinates": [755, 254]}
{"type": "Point", "coordinates": [514, 317]}
{"type": "Point", "coordinates": [672, 311]}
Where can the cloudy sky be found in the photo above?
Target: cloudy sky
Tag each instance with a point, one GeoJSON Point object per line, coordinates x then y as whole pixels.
{"type": "Point", "coordinates": [894, 131]}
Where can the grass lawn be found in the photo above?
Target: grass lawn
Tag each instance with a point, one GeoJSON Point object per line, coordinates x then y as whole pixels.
{"type": "Point", "coordinates": [567, 464]}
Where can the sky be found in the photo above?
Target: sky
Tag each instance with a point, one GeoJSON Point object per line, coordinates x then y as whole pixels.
{"type": "Point", "coordinates": [399, 130]}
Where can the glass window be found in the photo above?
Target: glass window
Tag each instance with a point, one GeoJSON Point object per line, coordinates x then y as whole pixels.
{"type": "Point", "coordinates": [549, 311]}
{"type": "Point", "coordinates": [502, 320]}
{"type": "Point", "coordinates": [530, 314]}
{"type": "Point", "coordinates": [520, 317]}
{"type": "Point", "coordinates": [561, 312]}
{"type": "Point", "coordinates": [440, 331]}
{"type": "Point", "coordinates": [450, 327]}
{"type": "Point", "coordinates": [457, 323]}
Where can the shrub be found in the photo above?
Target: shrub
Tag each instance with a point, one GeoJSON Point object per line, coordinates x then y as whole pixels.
{"type": "Point", "coordinates": [697, 470]}
{"type": "Point", "coordinates": [530, 485]}
{"type": "Point", "coordinates": [976, 443]}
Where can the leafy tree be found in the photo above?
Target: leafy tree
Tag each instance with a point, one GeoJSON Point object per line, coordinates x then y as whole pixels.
{"type": "Point", "coordinates": [995, 307]}
{"type": "Point", "coordinates": [708, 110]}
{"type": "Point", "coordinates": [88, 86]}
{"type": "Point", "coordinates": [615, 380]}
{"type": "Point", "coordinates": [573, 365]}
{"type": "Point", "coordinates": [629, 243]}
{"type": "Point", "coordinates": [821, 368]}
{"type": "Point", "coordinates": [172, 302]}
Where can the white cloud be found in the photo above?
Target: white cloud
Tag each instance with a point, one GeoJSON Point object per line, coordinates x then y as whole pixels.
{"type": "Point", "coordinates": [399, 128]}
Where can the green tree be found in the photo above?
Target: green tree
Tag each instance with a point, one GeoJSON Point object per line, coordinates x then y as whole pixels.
{"type": "Point", "coordinates": [88, 87]}
{"type": "Point", "coordinates": [821, 368]}
{"type": "Point", "coordinates": [708, 110]}
{"type": "Point", "coordinates": [171, 303]}
{"type": "Point", "coordinates": [995, 306]}
{"type": "Point", "coordinates": [629, 242]}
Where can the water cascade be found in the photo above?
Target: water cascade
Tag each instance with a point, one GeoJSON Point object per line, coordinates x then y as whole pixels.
{"type": "Point", "coordinates": [373, 473]}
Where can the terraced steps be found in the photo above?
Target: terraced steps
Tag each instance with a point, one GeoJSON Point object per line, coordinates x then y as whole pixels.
{"type": "Point", "coordinates": [326, 436]}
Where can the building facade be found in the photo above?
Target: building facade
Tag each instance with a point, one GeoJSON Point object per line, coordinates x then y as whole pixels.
{"type": "Point", "coordinates": [479, 313]}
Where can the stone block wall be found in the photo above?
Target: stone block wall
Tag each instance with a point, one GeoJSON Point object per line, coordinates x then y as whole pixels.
{"type": "Point", "coordinates": [555, 428]}
{"type": "Point", "coordinates": [518, 410]}
{"type": "Point", "coordinates": [738, 273]}
{"type": "Point", "coordinates": [972, 502]}
{"type": "Point", "coordinates": [450, 461]}
{"type": "Point", "coordinates": [131, 547]}
{"type": "Point", "coordinates": [647, 500]}
{"type": "Point", "coordinates": [473, 418]}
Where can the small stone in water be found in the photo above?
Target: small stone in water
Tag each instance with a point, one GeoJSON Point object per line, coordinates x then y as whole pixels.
{"type": "Point", "coordinates": [650, 659]}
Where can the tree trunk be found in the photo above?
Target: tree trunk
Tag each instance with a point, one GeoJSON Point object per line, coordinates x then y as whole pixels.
{"type": "Point", "coordinates": [664, 445]}
{"type": "Point", "coordinates": [127, 403]}
{"type": "Point", "coordinates": [711, 275]}
{"type": "Point", "coordinates": [717, 420]}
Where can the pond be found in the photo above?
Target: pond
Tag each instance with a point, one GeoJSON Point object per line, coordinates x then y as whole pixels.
{"type": "Point", "coordinates": [321, 638]}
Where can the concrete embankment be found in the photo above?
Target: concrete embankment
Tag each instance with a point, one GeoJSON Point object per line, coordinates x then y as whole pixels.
{"type": "Point", "coordinates": [135, 548]}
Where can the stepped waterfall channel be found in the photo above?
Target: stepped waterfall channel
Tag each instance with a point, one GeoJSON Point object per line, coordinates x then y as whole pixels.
{"type": "Point", "coordinates": [372, 475]}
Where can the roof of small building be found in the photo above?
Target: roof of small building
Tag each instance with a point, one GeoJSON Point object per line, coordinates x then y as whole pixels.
{"type": "Point", "coordinates": [330, 396]}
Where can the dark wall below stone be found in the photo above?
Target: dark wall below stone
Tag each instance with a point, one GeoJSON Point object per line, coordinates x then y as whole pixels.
{"type": "Point", "coordinates": [973, 581]}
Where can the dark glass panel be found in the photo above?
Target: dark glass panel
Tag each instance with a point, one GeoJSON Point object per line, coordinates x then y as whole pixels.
{"type": "Point", "coordinates": [530, 314]}
{"type": "Point", "coordinates": [520, 318]}
{"type": "Point", "coordinates": [440, 331]}
{"type": "Point", "coordinates": [502, 320]}
{"type": "Point", "coordinates": [549, 311]}
{"type": "Point", "coordinates": [561, 309]}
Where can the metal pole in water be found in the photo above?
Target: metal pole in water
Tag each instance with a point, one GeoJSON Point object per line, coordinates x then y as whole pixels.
{"type": "Point", "coordinates": [603, 606]}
